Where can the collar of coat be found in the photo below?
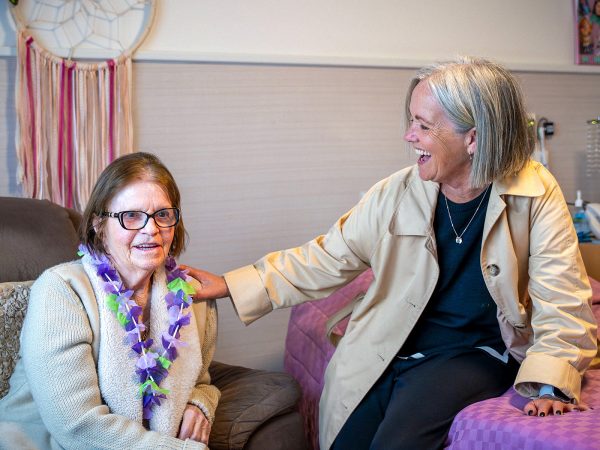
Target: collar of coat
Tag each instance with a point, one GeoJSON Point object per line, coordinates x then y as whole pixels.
{"type": "Point", "coordinates": [419, 198]}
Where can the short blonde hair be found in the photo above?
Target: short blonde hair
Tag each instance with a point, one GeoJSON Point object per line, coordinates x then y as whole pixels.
{"type": "Point", "coordinates": [118, 174]}
{"type": "Point", "coordinates": [477, 93]}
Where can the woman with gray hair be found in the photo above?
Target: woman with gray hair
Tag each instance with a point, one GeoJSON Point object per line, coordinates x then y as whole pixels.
{"type": "Point", "coordinates": [479, 284]}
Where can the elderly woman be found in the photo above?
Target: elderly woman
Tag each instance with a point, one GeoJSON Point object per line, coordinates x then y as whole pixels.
{"type": "Point", "coordinates": [113, 353]}
{"type": "Point", "coordinates": [479, 283]}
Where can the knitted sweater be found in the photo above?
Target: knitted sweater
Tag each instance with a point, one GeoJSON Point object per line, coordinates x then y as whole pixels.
{"type": "Point", "coordinates": [57, 398]}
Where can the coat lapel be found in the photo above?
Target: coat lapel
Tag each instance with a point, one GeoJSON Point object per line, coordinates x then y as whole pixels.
{"type": "Point", "coordinates": [414, 213]}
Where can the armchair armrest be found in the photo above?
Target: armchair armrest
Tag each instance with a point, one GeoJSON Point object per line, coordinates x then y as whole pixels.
{"type": "Point", "coordinates": [249, 398]}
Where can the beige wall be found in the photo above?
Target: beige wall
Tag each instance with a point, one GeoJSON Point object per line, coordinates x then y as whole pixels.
{"type": "Point", "coordinates": [267, 157]}
{"type": "Point", "coordinates": [528, 35]}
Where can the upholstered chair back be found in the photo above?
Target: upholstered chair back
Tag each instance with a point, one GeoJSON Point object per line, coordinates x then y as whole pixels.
{"type": "Point", "coordinates": [34, 235]}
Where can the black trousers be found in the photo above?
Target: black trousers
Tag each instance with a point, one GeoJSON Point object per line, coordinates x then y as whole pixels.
{"type": "Point", "coordinates": [412, 405]}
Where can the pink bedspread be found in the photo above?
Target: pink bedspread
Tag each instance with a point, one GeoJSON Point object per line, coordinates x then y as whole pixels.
{"type": "Point", "coordinates": [308, 350]}
{"type": "Point", "coordinates": [499, 423]}
{"type": "Point", "coordinates": [494, 424]}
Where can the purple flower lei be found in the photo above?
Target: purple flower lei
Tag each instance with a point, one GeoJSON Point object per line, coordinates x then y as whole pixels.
{"type": "Point", "coordinates": [152, 365]}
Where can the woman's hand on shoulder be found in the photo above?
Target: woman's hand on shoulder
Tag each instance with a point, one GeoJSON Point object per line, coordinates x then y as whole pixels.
{"type": "Point", "coordinates": [213, 286]}
{"type": "Point", "coordinates": [551, 406]}
{"type": "Point", "coordinates": [194, 425]}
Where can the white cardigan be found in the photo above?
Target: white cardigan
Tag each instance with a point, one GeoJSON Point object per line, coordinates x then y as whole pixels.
{"type": "Point", "coordinates": [75, 385]}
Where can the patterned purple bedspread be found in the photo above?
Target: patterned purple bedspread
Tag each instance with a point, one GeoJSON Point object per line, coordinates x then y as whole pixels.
{"type": "Point", "coordinates": [500, 424]}
{"type": "Point", "coordinates": [494, 424]}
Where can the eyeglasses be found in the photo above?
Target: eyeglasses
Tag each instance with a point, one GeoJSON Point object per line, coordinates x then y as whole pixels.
{"type": "Point", "coordinates": [136, 220]}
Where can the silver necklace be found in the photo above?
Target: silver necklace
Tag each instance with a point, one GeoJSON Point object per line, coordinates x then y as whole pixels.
{"type": "Point", "coordinates": [458, 239]}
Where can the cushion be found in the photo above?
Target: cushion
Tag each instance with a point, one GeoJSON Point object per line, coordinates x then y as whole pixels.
{"type": "Point", "coordinates": [36, 234]}
{"type": "Point", "coordinates": [13, 305]}
{"type": "Point", "coordinates": [249, 398]}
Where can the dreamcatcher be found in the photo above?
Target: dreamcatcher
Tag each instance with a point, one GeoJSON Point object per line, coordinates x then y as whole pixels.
{"type": "Point", "coordinates": [74, 113]}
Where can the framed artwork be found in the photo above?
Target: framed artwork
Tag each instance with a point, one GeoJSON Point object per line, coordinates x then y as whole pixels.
{"type": "Point", "coordinates": [587, 31]}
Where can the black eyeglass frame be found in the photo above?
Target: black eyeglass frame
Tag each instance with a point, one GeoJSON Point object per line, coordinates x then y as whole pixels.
{"type": "Point", "coordinates": [119, 215]}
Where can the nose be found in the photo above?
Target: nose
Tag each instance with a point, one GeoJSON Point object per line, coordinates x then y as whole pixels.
{"type": "Point", "coordinates": [150, 227]}
{"type": "Point", "coordinates": [409, 134]}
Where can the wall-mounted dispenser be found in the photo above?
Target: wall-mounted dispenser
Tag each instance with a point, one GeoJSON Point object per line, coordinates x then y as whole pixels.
{"type": "Point", "coordinates": [592, 151]}
{"type": "Point", "coordinates": [544, 129]}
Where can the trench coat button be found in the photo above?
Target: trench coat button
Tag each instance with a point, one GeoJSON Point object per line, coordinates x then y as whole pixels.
{"type": "Point", "coordinates": [493, 270]}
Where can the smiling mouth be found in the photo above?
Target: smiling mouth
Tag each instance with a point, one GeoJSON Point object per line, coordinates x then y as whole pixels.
{"type": "Point", "coordinates": [423, 156]}
{"type": "Point", "coordinates": [145, 247]}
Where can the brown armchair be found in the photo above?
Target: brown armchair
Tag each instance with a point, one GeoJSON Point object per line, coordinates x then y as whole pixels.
{"type": "Point", "coordinates": [258, 409]}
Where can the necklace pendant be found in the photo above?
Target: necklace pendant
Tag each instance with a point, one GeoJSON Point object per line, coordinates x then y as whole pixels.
{"type": "Point", "coordinates": [458, 240]}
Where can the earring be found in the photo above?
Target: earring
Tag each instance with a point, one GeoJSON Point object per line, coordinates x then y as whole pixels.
{"type": "Point", "coordinates": [470, 156]}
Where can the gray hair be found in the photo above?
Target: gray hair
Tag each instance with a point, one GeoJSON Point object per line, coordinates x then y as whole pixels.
{"type": "Point", "coordinates": [480, 94]}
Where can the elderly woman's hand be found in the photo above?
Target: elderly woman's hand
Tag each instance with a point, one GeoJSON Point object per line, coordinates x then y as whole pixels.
{"type": "Point", "coordinates": [194, 425]}
{"type": "Point", "coordinates": [548, 406]}
{"type": "Point", "coordinates": [213, 286]}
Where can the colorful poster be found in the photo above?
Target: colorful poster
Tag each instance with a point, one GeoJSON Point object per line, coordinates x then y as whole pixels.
{"type": "Point", "coordinates": [587, 31]}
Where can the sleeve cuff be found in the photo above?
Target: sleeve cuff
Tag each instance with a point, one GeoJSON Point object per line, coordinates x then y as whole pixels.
{"type": "Point", "coordinates": [248, 294]}
{"type": "Point", "coordinates": [204, 410]}
{"type": "Point", "coordinates": [539, 369]}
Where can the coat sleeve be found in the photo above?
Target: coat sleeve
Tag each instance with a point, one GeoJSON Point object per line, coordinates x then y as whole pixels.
{"type": "Point", "coordinates": [56, 347]}
{"type": "Point", "coordinates": [316, 269]}
{"type": "Point", "coordinates": [205, 395]}
{"type": "Point", "coordinates": [564, 327]}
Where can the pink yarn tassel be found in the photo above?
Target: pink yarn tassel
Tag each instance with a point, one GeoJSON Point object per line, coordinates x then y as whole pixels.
{"type": "Point", "coordinates": [111, 111]}
{"type": "Point", "coordinates": [32, 118]}
{"type": "Point", "coordinates": [70, 136]}
{"type": "Point", "coordinates": [61, 131]}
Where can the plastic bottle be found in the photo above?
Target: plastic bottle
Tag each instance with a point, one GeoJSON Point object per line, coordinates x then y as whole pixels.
{"type": "Point", "coordinates": [580, 220]}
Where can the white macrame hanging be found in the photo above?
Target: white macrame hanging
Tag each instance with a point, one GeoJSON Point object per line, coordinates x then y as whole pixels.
{"type": "Point", "coordinates": [74, 117]}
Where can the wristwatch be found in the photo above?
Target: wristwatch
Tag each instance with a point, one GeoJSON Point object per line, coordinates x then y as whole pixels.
{"type": "Point", "coordinates": [548, 391]}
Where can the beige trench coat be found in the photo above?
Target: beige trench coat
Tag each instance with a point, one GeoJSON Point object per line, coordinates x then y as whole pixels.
{"type": "Point", "coordinates": [530, 262]}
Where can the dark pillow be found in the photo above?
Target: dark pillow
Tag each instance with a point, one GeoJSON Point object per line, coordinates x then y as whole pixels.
{"type": "Point", "coordinates": [249, 399]}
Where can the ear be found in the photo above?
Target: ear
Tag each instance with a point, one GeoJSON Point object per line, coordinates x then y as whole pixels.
{"type": "Point", "coordinates": [96, 223]}
{"type": "Point", "coordinates": [471, 141]}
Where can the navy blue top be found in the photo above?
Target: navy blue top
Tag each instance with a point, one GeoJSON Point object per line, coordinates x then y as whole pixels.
{"type": "Point", "coordinates": [460, 313]}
